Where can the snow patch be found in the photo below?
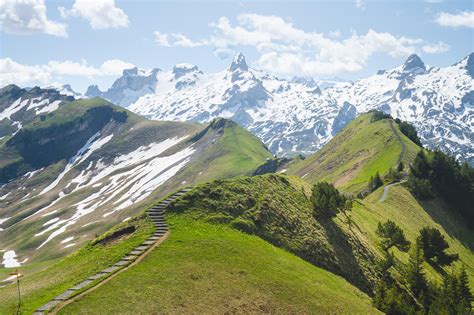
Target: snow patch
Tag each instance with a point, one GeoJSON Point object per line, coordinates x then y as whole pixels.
{"type": "Point", "coordinates": [10, 259]}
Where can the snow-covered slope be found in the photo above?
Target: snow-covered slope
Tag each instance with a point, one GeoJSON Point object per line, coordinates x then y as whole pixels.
{"type": "Point", "coordinates": [298, 116]}
{"type": "Point", "coordinates": [19, 106]}
{"type": "Point", "coordinates": [290, 117]}
{"type": "Point", "coordinates": [438, 101]}
{"type": "Point", "coordinates": [90, 165]}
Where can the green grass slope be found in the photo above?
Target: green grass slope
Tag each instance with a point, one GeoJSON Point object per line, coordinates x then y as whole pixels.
{"type": "Point", "coordinates": [412, 215]}
{"type": "Point", "coordinates": [277, 208]}
{"type": "Point", "coordinates": [44, 280]}
{"type": "Point", "coordinates": [205, 268]}
{"type": "Point", "coordinates": [355, 154]}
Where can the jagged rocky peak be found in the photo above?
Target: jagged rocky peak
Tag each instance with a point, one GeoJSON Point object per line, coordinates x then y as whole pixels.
{"type": "Point", "coordinates": [414, 63]}
{"type": "Point", "coordinates": [182, 69]}
{"type": "Point", "coordinates": [133, 72]}
{"type": "Point", "coordinates": [239, 63]}
{"type": "Point", "coordinates": [93, 90]}
{"type": "Point", "coordinates": [468, 64]}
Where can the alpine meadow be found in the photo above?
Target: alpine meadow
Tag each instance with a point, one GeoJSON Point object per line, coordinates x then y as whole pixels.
{"type": "Point", "coordinates": [237, 157]}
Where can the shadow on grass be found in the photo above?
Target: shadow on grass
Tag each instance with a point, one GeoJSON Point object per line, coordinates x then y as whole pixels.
{"type": "Point", "coordinates": [450, 220]}
{"type": "Point", "coordinates": [344, 248]}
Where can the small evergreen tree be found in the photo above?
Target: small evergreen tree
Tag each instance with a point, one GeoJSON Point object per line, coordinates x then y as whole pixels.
{"type": "Point", "coordinates": [434, 246]}
{"type": "Point", "coordinates": [464, 291]}
{"type": "Point", "coordinates": [327, 200]}
{"type": "Point", "coordinates": [415, 275]}
{"type": "Point", "coordinates": [392, 235]}
{"type": "Point", "coordinates": [375, 182]}
{"type": "Point", "coordinates": [400, 167]}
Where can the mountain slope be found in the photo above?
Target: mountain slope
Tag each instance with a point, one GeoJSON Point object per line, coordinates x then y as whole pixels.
{"type": "Point", "coordinates": [91, 164]}
{"type": "Point", "coordinates": [296, 116]}
{"type": "Point", "coordinates": [360, 150]}
{"type": "Point", "coordinates": [194, 266]}
{"type": "Point", "coordinates": [20, 106]}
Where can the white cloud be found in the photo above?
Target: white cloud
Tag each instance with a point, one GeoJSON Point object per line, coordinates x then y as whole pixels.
{"type": "Point", "coordinates": [462, 19]}
{"type": "Point", "coordinates": [176, 40]}
{"type": "Point", "coordinates": [102, 14]}
{"type": "Point", "coordinates": [115, 67]}
{"type": "Point", "coordinates": [287, 49]}
{"type": "Point", "coordinates": [335, 34]}
{"type": "Point", "coordinates": [360, 4]}
{"type": "Point", "coordinates": [26, 17]}
{"type": "Point", "coordinates": [437, 48]}
{"type": "Point", "coordinates": [161, 39]}
{"type": "Point", "coordinates": [12, 72]}
{"type": "Point", "coordinates": [223, 53]}
{"type": "Point", "coordinates": [71, 68]}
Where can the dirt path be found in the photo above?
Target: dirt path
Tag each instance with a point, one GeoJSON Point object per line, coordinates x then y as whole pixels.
{"type": "Point", "coordinates": [386, 188]}
{"type": "Point", "coordinates": [404, 146]}
{"type": "Point", "coordinates": [136, 255]}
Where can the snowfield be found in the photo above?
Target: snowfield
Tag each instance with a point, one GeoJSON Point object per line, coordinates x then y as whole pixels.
{"type": "Point", "coordinates": [297, 116]}
{"type": "Point", "coordinates": [125, 180]}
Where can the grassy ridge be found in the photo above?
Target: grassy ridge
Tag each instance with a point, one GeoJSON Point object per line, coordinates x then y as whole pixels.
{"type": "Point", "coordinates": [277, 208]}
{"type": "Point", "coordinates": [355, 154]}
{"type": "Point", "coordinates": [205, 268]}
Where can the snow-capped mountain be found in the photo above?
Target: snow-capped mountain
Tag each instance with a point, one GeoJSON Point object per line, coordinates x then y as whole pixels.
{"type": "Point", "coordinates": [298, 116]}
{"type": "Point", "coordinates": [438, 101]}
{"type": "Point", "coordinates": [128, 88]}
{"type": "Point", "coordinates": [290, 117]}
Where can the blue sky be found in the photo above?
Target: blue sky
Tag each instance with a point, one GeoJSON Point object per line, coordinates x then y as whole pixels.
{"type": "Point", "coordinates": [85, 42]}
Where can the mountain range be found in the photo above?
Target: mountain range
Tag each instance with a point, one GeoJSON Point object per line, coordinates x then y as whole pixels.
{"type": "Point", "coordinates": [297, 116]}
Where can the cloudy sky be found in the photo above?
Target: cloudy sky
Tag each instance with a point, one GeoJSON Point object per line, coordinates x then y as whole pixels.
{"type": "Point", "coordinates": [85, 42]}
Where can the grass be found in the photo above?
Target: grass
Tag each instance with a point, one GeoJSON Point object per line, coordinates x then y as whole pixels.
{"type": "Point", "coordinates": [44, 280]}
{"type": "Point", "coordinates": [359, 151]}
{"type": "Point", "coordinates": [213, 269]}
{"type": "Point", "coordinates": [230, 151]}
{"type": "Point", "coordinates": [411, 215]}
{"type": "Point", "coordinates": [277, 208]}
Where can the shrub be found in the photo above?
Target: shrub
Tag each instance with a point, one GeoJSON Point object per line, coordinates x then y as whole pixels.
{"type": "Point", "coordinates": [392, 235]}
{"type": "Point", "coordinates": [375, 182]}
{"type": "Point", "coordinates": [434, 246]}
{"type": "Point", "coordinates": [420, 187]}
{"type": "Point", "coordinates": [327, 200]}
{"type": "Point", "coordinates": [409, 130]}
{"type": "Point", "coordinates": [378, 115]}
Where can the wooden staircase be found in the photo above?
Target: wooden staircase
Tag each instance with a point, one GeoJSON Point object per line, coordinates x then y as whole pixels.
{"type": "Point", "coordinates": [156, 213]}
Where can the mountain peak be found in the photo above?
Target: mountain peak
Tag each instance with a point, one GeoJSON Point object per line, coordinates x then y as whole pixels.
{"type": "Point", "coordinates": [182, 68]}
{"type": "Point", "coordinates": [239, 63]}
{"type": "Point", "coordinates": [130, 72]}
{"type": "Point", "coordinates": [413, 62]}
{"type": "Point", "coordinates": [468, 63]}
{"type": "Point", "coordinates": [93, 90]}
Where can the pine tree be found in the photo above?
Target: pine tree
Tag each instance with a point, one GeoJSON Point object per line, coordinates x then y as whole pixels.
{"type": "Point", "coordinates": [400, 167]}
{"type": "Point", "coordinates": [392, 235]}
{"type": "Point", "coordinates": [465, 294]}
{"type": "Point", "coordinates": [415, 275]}
{"type": "Point", "coordinates": [375, 182]}
{"type": "Point", "coordinates": [434, 246]}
